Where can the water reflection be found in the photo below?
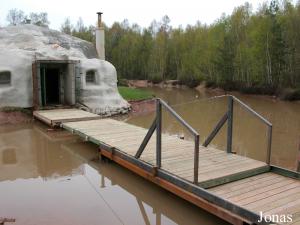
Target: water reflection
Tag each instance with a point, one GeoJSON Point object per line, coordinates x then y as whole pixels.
{"type": "Point", "coordinates": [249, 134]}
{"type": "Point", "coordinates": [9, 155]}
{"type": "Point", "coordinates": [54, 178]}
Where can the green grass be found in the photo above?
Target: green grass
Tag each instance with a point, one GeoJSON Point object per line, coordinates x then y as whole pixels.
{"type": "Point", "coordinates": [134, 94]}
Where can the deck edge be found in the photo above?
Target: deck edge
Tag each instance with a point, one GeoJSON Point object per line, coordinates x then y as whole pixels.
{"type": "Point", "coordinates": [184, 189]}
{"type": "Point", "coordinates": [234, 177]}
{"type": "Point", "coordinates": [285, 172]}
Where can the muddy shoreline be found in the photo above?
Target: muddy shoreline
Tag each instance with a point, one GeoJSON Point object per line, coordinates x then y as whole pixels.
{"type": "Point", "coordinates": [284, 95]}
{"type": "Point", "coordinates": [138, 108]}
{"type": "Point", "coordinates": [15, 117]}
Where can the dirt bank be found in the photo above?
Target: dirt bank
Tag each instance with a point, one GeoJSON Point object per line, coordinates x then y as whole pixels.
{"type": "Point", "coordinates": [142, 107]}
{"type": "Point", "coordinates": [147, 83]}
{"type": "Point", "coordinates": [287, 94]}
{"type": "Point", "coordinates": [14, 117]}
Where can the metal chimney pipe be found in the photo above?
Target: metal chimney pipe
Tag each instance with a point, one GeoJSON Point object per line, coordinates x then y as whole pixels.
{"type": "Point", "coordinates": [99, 19]}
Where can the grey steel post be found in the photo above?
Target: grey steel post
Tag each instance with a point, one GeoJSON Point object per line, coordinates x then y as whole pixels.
{"type": "Point", "coordinates": [158, 133]}
{"type": "Point", "coordinates": [196, 159]}
{"type": "Point", "coordinates": [298, 159]}
{"type": "Point", "coordinates": [229, 124]}
{"type": "Point", "coordinates": [269, 147]}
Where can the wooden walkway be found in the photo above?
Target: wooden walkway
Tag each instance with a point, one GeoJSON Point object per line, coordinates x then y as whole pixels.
{"type": "Point", "coordinates": [269, 193]}
{"type": "Point", "coordinates": [230, 186]}
{"type": "Point", "coordinates": [177, 154]}
{"type": "Point", "coordinates": [55, 117]}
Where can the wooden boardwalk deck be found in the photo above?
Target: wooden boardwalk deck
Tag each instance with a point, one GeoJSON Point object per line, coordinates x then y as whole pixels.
{"type": "Point", "coordinates": [177, 154]}
{"type": "Point", "coordinates": [230, 186]}
{"type": "Point", "coordinates": [269, 193]}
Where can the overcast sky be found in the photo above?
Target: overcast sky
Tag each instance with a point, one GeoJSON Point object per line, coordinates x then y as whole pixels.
{"type": "Point", "coordinates": [136, 11]}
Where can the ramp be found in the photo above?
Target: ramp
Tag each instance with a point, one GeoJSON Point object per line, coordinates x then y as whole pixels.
{"type": "Point", "coordinates": [55, 117]}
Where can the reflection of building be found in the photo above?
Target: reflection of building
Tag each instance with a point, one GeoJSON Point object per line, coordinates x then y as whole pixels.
{"type": "Point", "coordinates": [298, 159]}
{"type": "Point", "coordinates": [29, 153]}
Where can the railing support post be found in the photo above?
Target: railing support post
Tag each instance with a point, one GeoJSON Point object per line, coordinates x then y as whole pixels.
{"type": "Point", "coordinates": [269, 147]}
{"type": "Point", "coordinates": [158, 133]}
{"type": "Point", "coordinates": [196, 159]}
{"type": "Point", "coordinates": [229, 124]}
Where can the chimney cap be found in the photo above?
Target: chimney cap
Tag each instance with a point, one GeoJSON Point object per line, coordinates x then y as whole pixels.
{"type": "Point", "coordinates": [99, 13]}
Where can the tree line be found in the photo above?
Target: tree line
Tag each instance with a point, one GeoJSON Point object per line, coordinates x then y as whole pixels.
{"type": "Point", "coordinates": [254, 52]}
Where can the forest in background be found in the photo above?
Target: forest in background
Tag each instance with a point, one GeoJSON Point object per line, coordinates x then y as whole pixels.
{"type": "Point", "coordinates": [252, 52]}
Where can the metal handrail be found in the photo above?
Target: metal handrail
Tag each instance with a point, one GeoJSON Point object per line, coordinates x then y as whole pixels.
{"type": "Point", "coordinates": [251, 110]}
{"type": "Point", "coordinates": [156, 125]}
{"type": "Point", "coordinates": [229, 118]}
{"type": "Point", "coordinates": [179, 119]}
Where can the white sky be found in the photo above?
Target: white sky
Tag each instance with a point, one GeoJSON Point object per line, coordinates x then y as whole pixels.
{"type": "Point", "coordinates": [136, 11]}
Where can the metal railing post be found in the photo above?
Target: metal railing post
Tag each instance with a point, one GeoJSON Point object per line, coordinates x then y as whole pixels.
{"type": "Point", "coordinates": [269, 147]}
{"type": "Point", "coordinates": [298, 159]}
{"type": "Point", "coordinates": [196, 159]}
{"type": "Point", "coordinates": [229, 124]}
{"type": "Point", "coordinates": [158, 133]}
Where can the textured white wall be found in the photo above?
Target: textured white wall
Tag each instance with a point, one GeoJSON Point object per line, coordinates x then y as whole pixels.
{"type": "Point", "coordinates": [103, 95]}
{"type": "Point", "coordinates": [21, 45]}
{"type": "Point", "coordinates": [19, 92]}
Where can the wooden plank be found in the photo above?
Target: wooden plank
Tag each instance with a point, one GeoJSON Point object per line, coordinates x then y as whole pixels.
{"type": "Point", "coordinates": [205, 165]}
{"type": "Point", "coordinates": [56, 116]}
{"type": "Point", "coordinates": [231, 169]}
{"type": "Point", "coordinates": [277, 201]}
{"type": "Point", "coordinates": [42, 118]}
{"type": "Point", "coordinates": [284, 205]}
{"type": "Point", "coordinates": [253, 191]}
{"type": "Point", "coordinates": [266, 202]}
{"type": "Point", "coordinates": [297, 222]}
{"type": "Point", "coordinates": [208, 183]}
{"type": "Point", "coordinates": [293, 210]}
{"type": "Point", "coordinates": [240, 184]}
{"type": "Point", "coordinates": [253, 186]}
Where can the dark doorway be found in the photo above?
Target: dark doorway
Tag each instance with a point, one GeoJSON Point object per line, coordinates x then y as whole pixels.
{"type": "Point", "coordinates": [51, 86]}
{"type": "Point", "coordinates": [54, 83]}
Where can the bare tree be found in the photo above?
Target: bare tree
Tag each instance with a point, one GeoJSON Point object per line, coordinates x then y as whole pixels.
{"type": "Point", "coordinates": [39, 19]}
{"type": "Point", "coordinates": [80, 26]}
{"type": "Point", "coordinates": [15, 17]}
{"type": "Point", "coordinates": [66, 27]}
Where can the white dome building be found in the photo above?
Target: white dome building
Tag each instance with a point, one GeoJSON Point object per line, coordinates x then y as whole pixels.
{"type": "Point", "coordinates": [40, 67]}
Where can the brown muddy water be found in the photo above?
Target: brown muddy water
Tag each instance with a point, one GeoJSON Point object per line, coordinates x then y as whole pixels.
{"type": "Point", "coordinates": [249, 133]}
{"type": "Point", "coordinates": [52, 178]}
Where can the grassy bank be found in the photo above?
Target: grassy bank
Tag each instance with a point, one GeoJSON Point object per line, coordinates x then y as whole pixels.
{"type": "Point", "coordinates": [134, 94]}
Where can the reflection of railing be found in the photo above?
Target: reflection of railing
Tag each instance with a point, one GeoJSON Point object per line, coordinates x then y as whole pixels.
{"type": "Point", "coordinates": [298, 159]}
{"type": "Point", "coordinates": [228, 116]}
{"type": "Point", "coordinates": [157, 124]}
